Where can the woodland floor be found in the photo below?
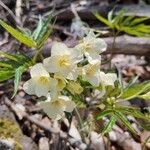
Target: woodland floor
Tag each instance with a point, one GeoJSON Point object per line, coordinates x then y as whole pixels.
{"type": "Point", "coordinates": [33, 129]}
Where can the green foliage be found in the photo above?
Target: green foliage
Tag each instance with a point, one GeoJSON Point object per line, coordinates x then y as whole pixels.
{"type": "Point", "coordinates": [18, 73]}
{"type": "Point", "coordinates": [130, 25]}
{"type": "Point", "coordinates": [125, 121]}
{"type": "Point", "coordinates": [35, 39]}
{"type": "Point", "coordinates": [18, 35]}
{"type": "Point", "coordinates": [42, 32]}
{"type": "Point", "coordinates": [14, 66]}
{"type": "Point", "coordinates": [135, 91]}
{"type": "Point", "coordinates": [145, 96]}
{"type": "Point", "coordinates": [110, 125]}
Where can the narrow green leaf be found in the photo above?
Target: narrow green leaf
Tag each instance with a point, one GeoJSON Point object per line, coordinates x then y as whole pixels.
{"type": "Point", "coordinates": [38, 29]}
{"type": "Point", "coordinates": [5, 64]}
{"type": "Point", "coordinates": [125, 121]}
{"type": "Point", "coordinates": [104, 113]}
{"type": "Point", "coordinates": [110, 125]}
{"type": "Point", "coordinates": [18, 73]}
{"type": "Point", "coordinates": [127, 20]}
{"type": "Point", "coordinates": [138, 20]}
{"type": "Point", "coordinates": [6, 74]}
{"type": "Point", "coordinates": [18, 35]}
{"type": "Point", "coordinates": [145, 96]}
{"type": "Point", "coordinates": [145, 126]}
{"type": "Point", "coordinates": [44, 31]}
{"type": "Point", "coordinates": [8, 56]}
{"type": "Point", "coordinates": [135, 90]}
{"type": "Point", "coordinates": [133, 112]}
{"type": "Point", "coordinates": [110, 16]}
{"type": "Point", "coordinates": [11, 67]}
{"type": "Point", "coordinates": [102, 19]}
{"type": "Point", "coordinates": [132, 81]}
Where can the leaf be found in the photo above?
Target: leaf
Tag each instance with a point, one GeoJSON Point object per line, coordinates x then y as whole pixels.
{"type": "Point", "coordinates": [110, 125]}
{"type": "Point", "coordinates": [18, 35]}
{"type": "Point", "coordinates": [6, 64]}
{"type": "Point", "coordinates": [125, 121]}
{"type": "Point", "coordinates": [132, 81]}
{"type": "Point", "coordinates": [110, 16]}
{"type": "Point", "coordinates": [38, 29]}
{"type": "Point", "coordinates": [104, 113]}
{"type": "Point", "coordinates": [135, 90]}
{"type": "Point", "coordinates": [145, 96]}
{"type": "Point", "coordinates": [102, 19]}
{"type": "Point", "coordinates": [6, 74]}
{"type": "Point", "coordinates": [8, 68]}
{"type": "Point", "coordinates": [43, 31]}
{"type": "Point", "coordinates": [145, 126]}
{"type": "Point", "coordinates": [138, 20]}
{"type": "Point", "coordinates": [18, 73]}
{"type": "Point", "coordinates": [8, 56]}
{"type": "Point", "coordinates": [133, 112]}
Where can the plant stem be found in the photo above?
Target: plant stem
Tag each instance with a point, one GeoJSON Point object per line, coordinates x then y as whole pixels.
{"type": "Point", "coordinates": [80, 122]}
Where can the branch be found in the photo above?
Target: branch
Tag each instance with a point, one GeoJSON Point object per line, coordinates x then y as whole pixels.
{"type": "Point", "coordinates": [125, 44]}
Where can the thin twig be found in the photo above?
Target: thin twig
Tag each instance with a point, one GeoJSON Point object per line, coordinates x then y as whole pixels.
{"type": "Point", "coordinates": [9, 11]}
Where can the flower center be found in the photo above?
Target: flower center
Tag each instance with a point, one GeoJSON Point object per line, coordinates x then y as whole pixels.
{"type": "Point", "coordinates": [64, 61]}
{"type": "Point", "coordinates": [90, 71]}
{"type": "Point", "coordinates": [43, 80]}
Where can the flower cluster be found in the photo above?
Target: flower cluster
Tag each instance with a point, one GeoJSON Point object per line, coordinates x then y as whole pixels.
{"type": "Point", "coordinates": [62, 70]}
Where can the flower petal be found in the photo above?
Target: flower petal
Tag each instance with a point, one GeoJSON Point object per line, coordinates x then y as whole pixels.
{"type": "Point", "coordinates": [51, 64]}
{"type": "Point", "coordinates": [70, 105]}
{"type": "Point", "coordinates": [38, 70]}
{"type": "Point", "coordinates": [29, 87]}
{"type": "Point", "coordinates": [42, 89]}
{"type": "Point", "coordinates": [59, 48]}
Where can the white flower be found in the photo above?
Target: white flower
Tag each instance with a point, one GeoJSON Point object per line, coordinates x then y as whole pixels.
{"type": "Point", "coordinates": [92, 46]}
{"type": "Point", "coordinates": [40, 82]}
{"type": "Point", "coordinates": [55, 108]}
{"type": "Point", "coordinates": [63, 60]}
{"type": "Point", "coordinates": [90, 72]}
{"type": "Point", "coordinates": [108, 79]}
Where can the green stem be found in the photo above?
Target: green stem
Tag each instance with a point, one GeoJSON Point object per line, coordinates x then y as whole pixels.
{"type": "Point", "coordinates": [80, 121]}
{"type": "Point", "coordinates": [38, 53]}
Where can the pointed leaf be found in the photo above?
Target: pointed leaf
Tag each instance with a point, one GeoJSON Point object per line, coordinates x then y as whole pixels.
{"type": "Point", "coordinates": [125, 121]}
{"type": "Point", "coordinates": [135, 90]}
{"type": "Point", "coordinates": [18, 35]}
{"type": "Point", "coordinates": [104, 113]}
{"type": "Point", "coordinates": [110, 125]}
{"type": "Point", "coordinates": [145, 96]}
{"type": "Point", "coordinates": [18, 73]}
{"type": "Point", "coordinates": [102, 19]}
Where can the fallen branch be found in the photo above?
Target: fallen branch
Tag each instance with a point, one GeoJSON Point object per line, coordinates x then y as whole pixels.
{"type": "Point", "coordinates": [125, 44]}
{"type": "Point", "coordinates": [86, 12]}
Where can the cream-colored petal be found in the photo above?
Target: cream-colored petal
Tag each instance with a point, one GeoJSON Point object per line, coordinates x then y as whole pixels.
{"type": "Point", "coordinates": [70, 105]}
{"type": "Point", "coordinates": [77, 55]}
{"type": "Point", "coordinates": [99, 45]}
{"type": "Point", "coordinates": [73, 74]}
{"type": "Point", "coordinates": [53, 111]}
{"type": "Point", "coordinates": [108, 79]}
{"type": "Point", "coordinates": [59, 48]}
{"type": "Point", "coordinates": [38, 70]}
{"type": "Point", "coordinates": [42, 89]}
{"type": "Point", "coordinates": [29, 87]}
{"type": "Point", "coordinates": [93, 57]}
{"type": "Point", "coordinates": [94, 80]}
{"type": "Point", "coordinates": [51, 64]}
